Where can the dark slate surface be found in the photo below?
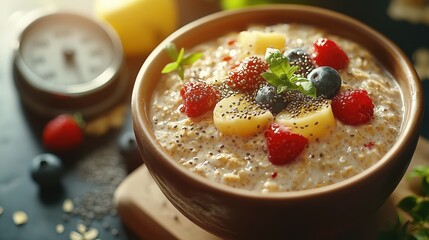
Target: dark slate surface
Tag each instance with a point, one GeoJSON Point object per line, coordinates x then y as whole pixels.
{"type": "Point", "coordinates": [20, 131]}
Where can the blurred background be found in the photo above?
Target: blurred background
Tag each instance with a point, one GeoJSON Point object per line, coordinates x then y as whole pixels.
{"type": "Point", "coordinates": [81, 201]}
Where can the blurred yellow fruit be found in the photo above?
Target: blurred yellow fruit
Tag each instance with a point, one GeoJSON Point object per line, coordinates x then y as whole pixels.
{"type": "Point", "coordinates": [140, 24]}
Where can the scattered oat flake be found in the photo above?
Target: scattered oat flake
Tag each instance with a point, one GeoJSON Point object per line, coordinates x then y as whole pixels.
{"type": "Point", "coordinates": [81, 228]}
{"type": "Point", "coordinates": [75, 236]}
{"type": "Point", "coordinates": [91, 234]}
{"type": "Point", "coordinates": [82, 233]}
{"type": "Point", "coordinates": [59, 228]}
{"type": "Point", "coordinates": [20, 218]}
{"type": "Point", "coordinates": [1, 211]}
{"type": "Point", "coordinates": [68, 206]}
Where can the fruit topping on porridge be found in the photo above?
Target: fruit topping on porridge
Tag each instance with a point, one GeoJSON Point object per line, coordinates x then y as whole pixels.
{"type": "Point", "coordinates": [353, 107]}
{"type": "Point", "coordinates": [276, 109]}
{"type": "Point", "coordinates": [328, 53]}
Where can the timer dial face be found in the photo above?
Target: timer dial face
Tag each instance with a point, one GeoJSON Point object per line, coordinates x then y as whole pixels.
{"type": "Point", "coordinates": [68, 55]}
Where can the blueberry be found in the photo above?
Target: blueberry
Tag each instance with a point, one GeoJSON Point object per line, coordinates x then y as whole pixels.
{"type": "Point", "coordinates": [268, 97]}
{"type": "Point", "coordinates": [47, 170]}
{"type": "Point", "coordinates": [326, 80]}
{"type": "Point", "coordinates": [129, 150]}
{"type": "Point", "coordinates": [299, 57]}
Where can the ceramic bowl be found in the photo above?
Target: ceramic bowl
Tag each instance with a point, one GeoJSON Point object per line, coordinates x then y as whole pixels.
{"type": "Point", "coordinates": [319, 213]}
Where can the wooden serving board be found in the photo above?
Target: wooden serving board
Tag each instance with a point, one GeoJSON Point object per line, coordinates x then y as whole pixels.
{"type": "Point", "coordinates": [146, 211]}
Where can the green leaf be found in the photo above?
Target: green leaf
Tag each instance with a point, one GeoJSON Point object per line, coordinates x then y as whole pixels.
{"type": "Point", "coordinates": [421, 234]}
{"type": "Point", "coordinates": [172, 50]}
{"type": "Point", "coordinates": [271, 78]}
{"type": "Point", "coordinates": [419, 171]}
{"type": "Point", "coordinates": [292, 71]}
{"type": "Point", "coordinates": [421, 211]}
{"type": "Point", "coordinates": [425, 186]}
{"type": "Point", "coordinates": [278, 64]}
{"type": "Point", "coordinates": [189, 60]}
{"type": "Point", "coordinates": [417, 208]}
{"type": "Point", "coordinates": [307, 88]}
{"type": "Point", "coordinates": [408, 203]}
{"type": "Point", "coordinates": [179, 60]}
{"type": "Point", "coordinates": [180, 56]}
{"type": "Point", "coordinates": [170, 67]}
{"type": "Point", "coordinates": [282, 74]}
{"type": "Point", "coordinates": [181, 72]}
{"type": "Point", "coordinates": [398, 231]}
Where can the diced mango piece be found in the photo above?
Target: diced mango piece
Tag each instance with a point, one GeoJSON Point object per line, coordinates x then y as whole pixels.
{"type": "Point", "coordinates": [257, 42]}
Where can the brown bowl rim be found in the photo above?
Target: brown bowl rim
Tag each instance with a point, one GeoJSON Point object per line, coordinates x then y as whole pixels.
{"type": "Point", "coordinates": [407, 133]}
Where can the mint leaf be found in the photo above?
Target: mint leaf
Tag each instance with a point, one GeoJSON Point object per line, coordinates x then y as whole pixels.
{"type": "Point", "coordinates": [282, 75]}
{"type": "Point", "coordinates": [419, 171]}
{"type": "Point", "coordinates": [421, 212]}
{"type": "Point", "coordinates": [421, 234]}
{"type": "Point", "coordinates": [180, 56]}
{"type": "Point", "coordinates": [307, 88]}
{"type": "Point", "coordinates": [398, 231]}
{"type": "Point", "coordinates": [172, 51]}
{"type": "Point", "coordinates": [408, 203]}
{"type": "Point", "coordinates": [179, 60]}
{"type": "Point", "coordinates": [189, 60]}
{"type": "Point", "coordinates": [272, 78]}
{"type": "Point", "coordinates": [279, 64]}
{"type": "Point", "coordinates": [170, 67]}
{"type": "Point", "coordinates": [417, 210]}
{"type": "Point", "coordinates": [425, 186]}
{"type": "Point", "coordinates": [423, 173]}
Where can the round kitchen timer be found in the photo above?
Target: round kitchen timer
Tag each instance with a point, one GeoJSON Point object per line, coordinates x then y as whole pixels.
{"type": "Point", "coordinates": [68, 63]}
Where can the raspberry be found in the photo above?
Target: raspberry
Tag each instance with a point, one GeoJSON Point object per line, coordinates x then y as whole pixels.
{"type": "Point", "coordinates": [246, 76]}
{"type": "Point", "coordinates": [328, 53]}
{"type": "Point", "coordinates": [198, 98]}
{"type": "Point", "coordinates": [353, 107]}
{"type": "Point", "coordinates": [283, 145]}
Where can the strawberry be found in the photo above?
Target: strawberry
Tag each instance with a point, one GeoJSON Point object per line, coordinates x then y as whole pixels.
{"type": "Point", "coordinates": [62, 133]}
{"type": "Point", "coordinates": [198, 98]}
{"type": "Point", "coordinates": [353, 107]}
{"type": "Point", "coordinates": [328, 53]}
{"type": "Point", "coordinates": [283, 145]}
{"type": "Point", "coordinates": [246, 76]}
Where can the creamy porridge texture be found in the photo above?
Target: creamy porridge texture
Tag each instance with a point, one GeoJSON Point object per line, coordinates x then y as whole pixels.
{"type": "Point", "coordinates": [240, 160]}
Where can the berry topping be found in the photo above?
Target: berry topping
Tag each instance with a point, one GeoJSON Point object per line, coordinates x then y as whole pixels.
{"type": "Point", "coordinates": [298, 57]}
{"type": "Point", "coordinates": [328, 53]}
{"type": "Point", "coordinates": [246, 76]}
{"type": "Point", "coordinates": [129, 150]}
{"type": "Point", "coordinates": [283, 145]}
{"type": "Point", "coordinates": [63, 133]}
{"type": "Point", "coordinates": [47, 170]}
{"type": "Point", "coordinates": [326, 80]}
{"type": "Point", "coordinates": [353, 107]}
{"type": "Point", "coordinates": [370, 145]}
{"type": "Point", "coordinates": [268, 98]}
{"type": "Point", "coordinates": [198, 98]}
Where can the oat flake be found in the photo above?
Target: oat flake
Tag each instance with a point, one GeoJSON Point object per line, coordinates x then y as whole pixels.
{"type": "Point", "coordinates": [81, 228]}
{"type": "Point", "coordinates": [59, 228]}
{"type": "Point", "coordinates": [75, 236]}
{"type": "Point", "coordinates": [68, 206]}
{"type": "Point", "coordinates": [83, 234]}
{"type": "Point", "coordinates": [20, 218]}
{"type": "Point", "coordinates": [1, 211]}
{"type": "Point", "coordinates": [91, 234]}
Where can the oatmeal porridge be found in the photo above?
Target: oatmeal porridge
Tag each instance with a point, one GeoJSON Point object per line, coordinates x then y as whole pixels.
{"type": "Point", "coordinates": [236, 136]}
